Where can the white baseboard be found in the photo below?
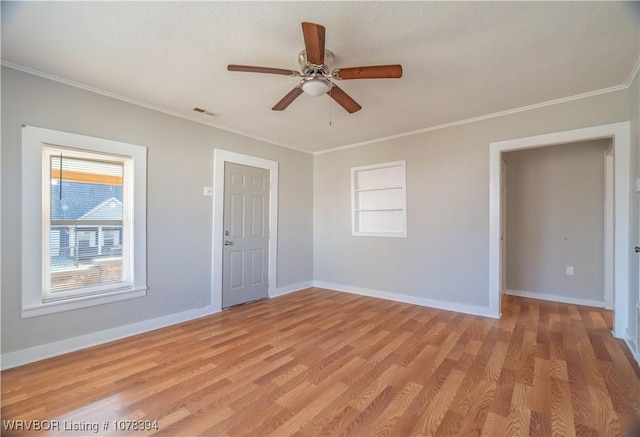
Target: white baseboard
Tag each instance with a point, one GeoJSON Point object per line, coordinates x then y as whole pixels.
{"type": "Point", "coordinates": [633, 346]}
{"type": "Point", "coordinates": [37, 353]}
{"type": "Point", "coordinates": [291, 288]}
{"type": "Point", "coordinates": [554, 298]}
{"type": "Point", "coordinates": [431, 303]}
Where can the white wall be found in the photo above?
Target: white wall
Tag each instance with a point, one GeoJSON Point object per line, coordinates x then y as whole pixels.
{"type": "Point", "coordinates": [444, 260]}
{"type": "Point", "coordinates": [555, 218]}
{"type": "Point", "coordinates": [179, 217]}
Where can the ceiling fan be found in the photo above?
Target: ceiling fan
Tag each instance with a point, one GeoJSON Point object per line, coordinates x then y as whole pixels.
{"type": "Point", "coordinates": [316, 74]}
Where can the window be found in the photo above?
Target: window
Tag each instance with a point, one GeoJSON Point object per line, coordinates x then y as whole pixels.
{"type": "Point", "coordinates": [84, 207]}
{"type": "Point", "coordinates": [378, 200]}
{"type": "Point", "coordinates": [82, 243]}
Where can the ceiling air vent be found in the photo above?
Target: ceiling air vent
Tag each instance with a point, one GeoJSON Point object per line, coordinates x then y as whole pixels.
{"type": "Point", "coordinates": [205, 112]}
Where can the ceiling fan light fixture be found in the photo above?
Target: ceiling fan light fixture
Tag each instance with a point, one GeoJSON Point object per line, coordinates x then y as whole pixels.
{"type": "Point", "coordinates": [315, 86]}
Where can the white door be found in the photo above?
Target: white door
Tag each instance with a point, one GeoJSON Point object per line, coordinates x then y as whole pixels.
{"type": "Point", "coordinates": [245, 265]}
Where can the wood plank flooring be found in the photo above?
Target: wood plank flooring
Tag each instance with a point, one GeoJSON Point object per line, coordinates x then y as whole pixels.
{"type": "Point", "coordinates": [320, 362]}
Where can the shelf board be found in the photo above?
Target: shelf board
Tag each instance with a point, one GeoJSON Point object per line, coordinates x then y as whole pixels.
{"type": "Point", "coordinates": [360, 190]}
{"type": "Point", "coordinates": [379, 210]}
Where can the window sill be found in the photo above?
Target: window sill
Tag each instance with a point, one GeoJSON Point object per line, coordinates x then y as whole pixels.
{"type": "Point", "coordinates": [42, 309]}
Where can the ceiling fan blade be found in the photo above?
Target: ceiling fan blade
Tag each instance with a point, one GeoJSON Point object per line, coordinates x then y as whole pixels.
{"type": "Point", "coordinates": [286, 100]}
{"type": "Point", "coordinates": [252, 69]}
{"type": "Point", "coordinates": [344, 99]}
{"type": "Point", "coordinates": [314, 42]}
{"type": "Point", "coordinates": [372, 72]}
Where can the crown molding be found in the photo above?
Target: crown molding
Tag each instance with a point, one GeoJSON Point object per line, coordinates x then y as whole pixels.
{"type": "Point", "coordinates": [480, 118]}
{"type": "Point", "coordinates": [82, 86]}
{"type": "Point", "coordinates": [633, 74]}
{"type": "Point", "coordinates": [622, 87]}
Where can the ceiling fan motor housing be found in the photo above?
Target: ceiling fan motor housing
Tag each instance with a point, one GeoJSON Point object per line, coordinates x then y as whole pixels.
{"type": "Point", "coordinates": [304, 62]}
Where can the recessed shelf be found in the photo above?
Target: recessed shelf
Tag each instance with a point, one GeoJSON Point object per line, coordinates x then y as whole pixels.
{"type": "Point", "coordinates": [378, 200]}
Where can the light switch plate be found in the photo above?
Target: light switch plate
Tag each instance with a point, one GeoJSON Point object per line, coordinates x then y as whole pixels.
{"type": "Point", "coordinates": [208, 191]}
{"type": "Point", "coordinates": [638, 185]}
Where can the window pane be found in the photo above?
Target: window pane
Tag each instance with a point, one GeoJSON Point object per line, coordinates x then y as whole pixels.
{"type": "Point", "coordinates": [85, 189]}
{"type": "Point", "coordinates": [86, 223]}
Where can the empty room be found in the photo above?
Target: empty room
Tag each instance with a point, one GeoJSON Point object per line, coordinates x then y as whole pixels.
{"type": "Point", "coordinates": [320, 218]}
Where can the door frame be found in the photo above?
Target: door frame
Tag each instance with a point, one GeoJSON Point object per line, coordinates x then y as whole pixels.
{"type": "Point", "coordinates": [503, 230]}
{"type": "Point", "coordinates": [620, 133]}
{"type": "Point", "coordinates": [609, 226]}
{"type": "Point", "coordinates": [220, 157]}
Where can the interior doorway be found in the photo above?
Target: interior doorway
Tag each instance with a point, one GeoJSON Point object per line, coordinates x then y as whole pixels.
{"type": "Point", "coordinates": [555, 222]}
{"type": "Point", "coordinates": [619, 133]}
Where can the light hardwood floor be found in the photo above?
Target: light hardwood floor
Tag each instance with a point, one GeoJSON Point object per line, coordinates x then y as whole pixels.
{"type": "Point", "coordinates": [320, 362]}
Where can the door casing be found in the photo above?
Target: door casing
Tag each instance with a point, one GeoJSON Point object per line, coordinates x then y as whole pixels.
{"type": "Point", "coordinates": [620, 133]}
{"type": "Point", "coordinates": [221, 156]}
{"type": "Point", "coordinates": [503, 231]}
{"type": "Point", "coordinates": [609, 226]}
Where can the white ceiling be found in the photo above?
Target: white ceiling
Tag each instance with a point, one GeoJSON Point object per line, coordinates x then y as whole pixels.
{"type": "Point", "coordinates": [461, 60]}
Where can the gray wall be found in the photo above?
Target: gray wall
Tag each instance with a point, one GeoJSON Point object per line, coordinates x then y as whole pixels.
{"type": "Point", "coordinates": [445, 256]}
{"type": "Point", "coordinates": [180, 163]}
{"type": "Point", "coordinates": [555, 218]}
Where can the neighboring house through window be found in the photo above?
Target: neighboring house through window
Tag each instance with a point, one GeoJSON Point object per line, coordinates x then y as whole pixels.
{"type": "Point", "coordinates": [92, 245]}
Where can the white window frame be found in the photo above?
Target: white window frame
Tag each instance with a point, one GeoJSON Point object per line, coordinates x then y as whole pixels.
{"type": "Point", "coordinates": [35, 202]}
{"type": "Point", "coordinates": [397, 189]}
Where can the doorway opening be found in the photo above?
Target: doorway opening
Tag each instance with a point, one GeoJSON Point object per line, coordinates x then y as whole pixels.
{"type": "Point", "coordinates": [555, 215]}
{"type": "Point", "coordinates": [619, 133]}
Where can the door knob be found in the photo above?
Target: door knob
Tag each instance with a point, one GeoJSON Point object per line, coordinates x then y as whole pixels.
{"type": "Point", "coordinates": [637, 249]}
{"type": "Point", "coordinates": [228, 243]}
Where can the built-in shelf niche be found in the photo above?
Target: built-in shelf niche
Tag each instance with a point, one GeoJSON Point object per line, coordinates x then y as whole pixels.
{"type": "Point", "coordinates": [378, 200]}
